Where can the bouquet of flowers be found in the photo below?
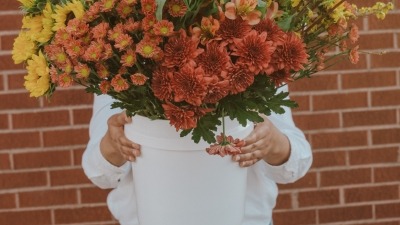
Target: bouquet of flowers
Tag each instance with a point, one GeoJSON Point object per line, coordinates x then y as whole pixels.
{"type": "Point", "coordinates": [191, 62]}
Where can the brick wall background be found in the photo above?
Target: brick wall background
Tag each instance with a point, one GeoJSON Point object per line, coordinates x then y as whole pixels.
{"type": "Point", "coordinates": [350, 114]}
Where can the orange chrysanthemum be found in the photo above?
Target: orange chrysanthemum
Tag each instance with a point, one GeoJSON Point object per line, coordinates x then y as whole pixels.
{"type": "Point", "coordinates": [123, 41]}
{"type": "Point", "coordinates": [105, 86]}
{"type": "Point", "coordinates": [94, 52]}
{"type": "Point", "coordinates": [354, 57]}
{"type": "Point", "coordinates": [177, 8]}
{"type": "Point", "coordinates": [148, 7]}
{"type": "Point", "coordinates": [130, 25]}
{"type": "Point", "coordinates": [65, 80]}
{"type": "Point", "coordinates": [74, 48]}
{"type": "Point", "coordinates": [147, 49]}
{"type": "Point", "coordinates": [148, 22]}
{"type": "Point", "coordinates": [189, 85]}
{"type": "Point", "coordinates": [138, 79]}
{"type": "Point", "coordinates": [291, 55]}
{"type": "Point", "coordinates": [117, 31]}
{"type": "Point", "coordinates": [161, 84]}
{"type": "Point", "coordinates": [107, 5]}
{"type": "Point", "coordinates": [129, 58]}
{"type": "Point", "coordinates": [93, 12]}
{"type": "Point", "coordinates": [254, 51]}
{"type": "Point", "coordinates": [119, 83]}
{"type": "Point", "coordinates": [214, 59]}
{"type": "Point", "coordinates": [102, 70]}
{"type": "Point", "coordinates": [82, 70]}
{"type": "Point", "coordinates": [100, 30]}
{"type": "Point", "coordinates": [274, 32]}
{"type": "Point", "coordinates": [178, 117]}
{"type": "Point", "coordinates": [181, 50]}
{"type": "Point", "coordinates": [77, 27]}
{"type": "Point", "coordinates": [163, 28]}
{"type": "Point", "coordinates": [353, 33]}
{"type": "Point", "coordinates": [124, 9]}
{"type": "Point", "coordinates": [240, 78]}
{"type": "Point", "coordinates": [230, 29]}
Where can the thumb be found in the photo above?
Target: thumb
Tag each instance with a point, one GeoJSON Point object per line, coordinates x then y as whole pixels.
{"type": "Point", "coordinates": [119, 119]}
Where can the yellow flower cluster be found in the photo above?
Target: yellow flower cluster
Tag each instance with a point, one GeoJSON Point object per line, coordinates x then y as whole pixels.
{"type": "Point", "coordinates": [39, 26]}
{"type": "Point", "coordinates": [379, 9]}
{"type": "Point", "coordinates": [62, 11]}
{"type": "Point", "coordinates": [27, 3]}
{"type": "Point", "coordinates": [37, 82]}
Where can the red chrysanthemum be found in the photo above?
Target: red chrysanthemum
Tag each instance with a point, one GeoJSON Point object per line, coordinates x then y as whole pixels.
{"type": "Point", "coordinates": [291, 55]}
{"type": "Point", "coordinates": [231, 29]}
{"type": "Point", "coordinates": [181, 50]}
{"type": "Point", "coordinates": [354, 56]}
{"type": "Point", "coordinates": [189, 85]}
{"type": "Point", "coordinates": [240, 78]}
{"type": "Point", "coordinates": [214, 59]}
{"type": "Point", "coordinates": [178, 117]}
{"type": "Point", "coordinates": [353, 33]}
{"type": "Point", "coordinates": [216, 90]}
{"type": "Point", "coordinates": [161, 84]}
{"type": "Point", "coordinates": [274, 32]}
{"type": "Point", "coordinates": [254, 51]}
{"type": "Point", "coordinates": [226, 145]}
{"type": "Point", "coordinates": [280, 77]}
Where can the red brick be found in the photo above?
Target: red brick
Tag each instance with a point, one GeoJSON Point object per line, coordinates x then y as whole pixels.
{"type": "Point", "coordinates": [390, 22]}
{"type": "Point", "coordinates": [386, 136]}
{"type": "Point", "coordinates": [315, 83]}
{"type": "Point", "coordinates": [82, 116]}
{"type": "Point", "coordinates": [308, 181]}
{"type": "Point", "coordinates": [14, 22]}
{"type": "Point", "coordinates": [9, 5]}
{"type": "Point", "coordinates": [390, 59]}
{"type": "Point", "coordinates": [93, 195]}
{"type": "Point", "coordinates": [82, 214]}
{"type": "Point", "coordinates": [383, 98]}
{"type": "Point", "coordinates": [17, 101]}
{"type": "Point", "coordinates": [3, 121]}
{"type": "Point", "coordinates": [7, 41]}
{"type": "Point", "coordinates": [68, 177]}
{"type": "Point", "coordinates": [48, 198]}
{"type": "Point", "coordinates": [373, 156]}
{"type": "Point", "coordinates": [22, 179]}
{"type": "Point", "coordinates": [7, 201]}
{"type": "Point", "coordinates": [16, 81]}
{"type": "Point", "coordinates": [369, 79]}
{"type": "Point", "coordinates": [19, 140]}
{"type": "Point", "coordinates": [345, 177]}
{"type": "Point", "coordinates": [5, 162]}
{"type": "Point", "coordinates": [368, 194]}
{"type": "Point", "coordinates": [320, 197]}
{"type": "Point", "coordinates": [77, 156]}
{"type": "Point", "coordinates": [302, 101]}
{"type": "Point", "coordinates": [42, 159]}
{"type": "Point", "coordinates": [1, 82]}
{"type": "Point", "coordinates": [329, 159]}
{"type": "Point", "coordinates": [295, 217]}
{"type": "Point", "coordinates": [368, 118]}
{"type": "Point", "coordinates": [387, 174]}
{"type": "Point", "coordinates": [284, 201]}
{"type": "Point", "coordinates": [345, 214]}
{"type": "Point", "coordinates": [376, 41]}
{"type": "Point", "coordinates": [378, 223]}
{"type": "Point", "coordinates": [6, 62]}
{"type": "Point", "coordinates": [340, 101]}
{"type": "Point", "coordinates": [339, 139]}
{"type": "Point", "coordinates": [390, 210]}
{"type": "Point", "coordinates": [40, 119]}
{"type": "Point", "coordinates": [31, 217]}
{"type": "Point", "coordinates": [70, 97]}
{"type": "Point", "coordinates": [66, 137]}
{"type": "Point", "coordinates": [317, 121]}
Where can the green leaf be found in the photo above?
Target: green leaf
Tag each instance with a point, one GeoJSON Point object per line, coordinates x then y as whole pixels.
{"type": "Point", "coordinates": [205, 127]}
{"type": "Point", "coordinates": [285, 22]}
{"type": "Point", "coordinates": [185, 132]}
{"type": "Point", "coordinates": [160, 6]}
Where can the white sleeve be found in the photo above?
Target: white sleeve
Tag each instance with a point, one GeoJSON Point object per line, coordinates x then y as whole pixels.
{"type": "Point", "coordinates": [300, 158]}
{"type": "Point", "coordinates": [96, 167]}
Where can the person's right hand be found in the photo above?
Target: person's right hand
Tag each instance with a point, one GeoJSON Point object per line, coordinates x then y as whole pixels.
{"type": "Point", "coordinates": [115, 146]}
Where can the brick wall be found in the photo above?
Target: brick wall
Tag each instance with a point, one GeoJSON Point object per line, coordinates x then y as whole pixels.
{"type": "Point", "coordinates": [350, 114]}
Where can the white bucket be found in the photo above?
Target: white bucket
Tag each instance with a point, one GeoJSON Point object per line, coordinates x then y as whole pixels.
{"type": "Point", "coordinates": [178, 183]}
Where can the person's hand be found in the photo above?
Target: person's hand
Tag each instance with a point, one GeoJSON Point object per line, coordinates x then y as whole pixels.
{"type": "Point", "coordinates": [266, 143]}
{"type": "Point", "coordinates": [115, 146]}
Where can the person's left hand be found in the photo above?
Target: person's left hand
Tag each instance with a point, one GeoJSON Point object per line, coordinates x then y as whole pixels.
{"type": "Point", "coordinates": [265, 142]}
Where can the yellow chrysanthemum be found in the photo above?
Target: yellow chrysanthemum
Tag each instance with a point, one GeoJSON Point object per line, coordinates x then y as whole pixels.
{"type": "Point", "coordinates": [37, 82]}
{"type": "Point", "coordinates": [27, 3]}
{"type": "Point", "coordinates": [61, 12]}
{"type": "Point", "coordinates": [379, 9]}
{"type": "Point", "coordinates": [39, 26]}
{"type": "Point", "coordinates": [295, 3]}
{"type": "Point", "coordinates": [24, 47]}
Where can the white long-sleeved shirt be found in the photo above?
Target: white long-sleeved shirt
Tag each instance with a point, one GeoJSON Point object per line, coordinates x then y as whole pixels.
{"type": "Point", "coordinates": [261, 193]}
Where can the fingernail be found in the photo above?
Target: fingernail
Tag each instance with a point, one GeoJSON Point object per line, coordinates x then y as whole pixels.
{"type": "Point", "coordinates": [136, 153]}
{"type": "Point", "coordinates": [131, 159]}
{"type": "Point", "coordinates": [237, 158]}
